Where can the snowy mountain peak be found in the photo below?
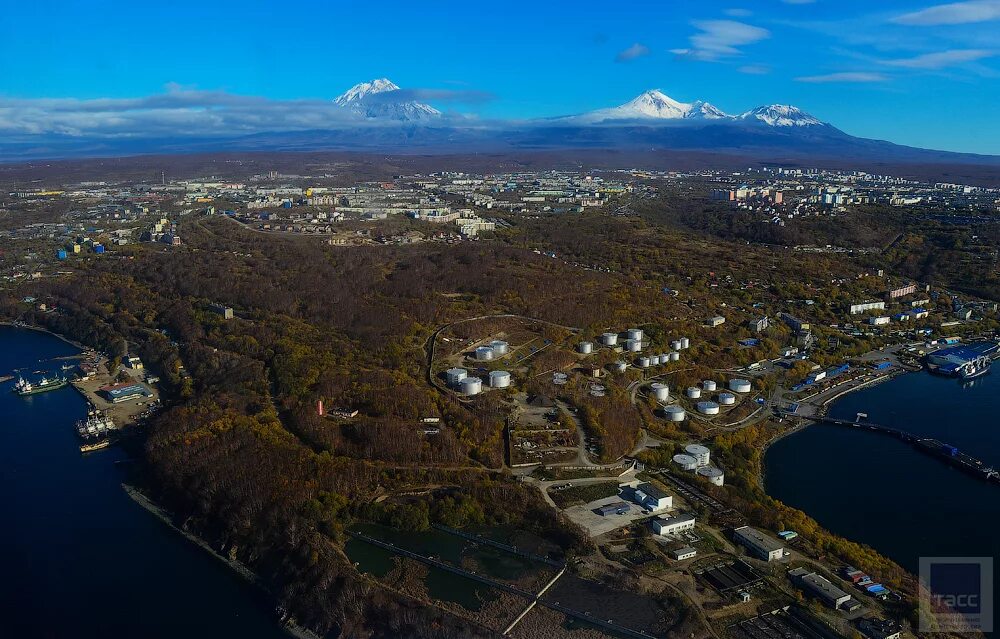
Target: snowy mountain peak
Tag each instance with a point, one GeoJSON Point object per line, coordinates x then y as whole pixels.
{"type": "Point", "coordinates": [377, 100]}
{"type": "Point", "coordinates": [655, 104]}
{"type": "Point", "coordinates": [700, 109]}
{"type": "Point", "coordinates": [364, 89]}
{"type": "Point", "coordinates": [780, 115]}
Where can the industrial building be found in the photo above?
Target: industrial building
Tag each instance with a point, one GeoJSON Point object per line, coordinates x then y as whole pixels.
{"type": "Point", "coordinates": [819, 586]}
{"type": "Point", "coordinates": [758, 544]}
{"type": "Point", "coordinates": [717, 320]}
{"type": "Point", "coordinates": [863, 307]}
{"type": "Point", "coordinates": [616, 508]}
{"type": "Point", "coordinates": [651, 497]}
{"type": "Point", "coordinates": [673, 525]}
{"type": "Point", "coordinates": [687, 552]}
{"type": "Point", "coordinates": [116, 393]}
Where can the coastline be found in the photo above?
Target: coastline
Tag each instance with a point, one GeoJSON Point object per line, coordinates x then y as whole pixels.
{"type": "Point", "coordinates": [239, 567]}
{"type": "Point", "coordinates": [40, 329]}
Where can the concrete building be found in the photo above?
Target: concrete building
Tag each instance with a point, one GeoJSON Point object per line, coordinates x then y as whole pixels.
{"type": "Point", "coordinates": [673, 525]}
{"type": "Point", "coordinates": [225, 311]}
{"type": "Point", "coordinates": [717, 320]}
{"type": "Point", "coordinates": [759, 325]}
{"type": "Point", "coordinates": [864, 307]}
{"type": "Point", "coordinates": [687, 552]}
{"type": "Point", "coordinates": [820, 587]}
{"type": "Point", "coordinates": [651, 497]}
{"type": "Point", "coordinates": [795, 323]}
{"type": "Point", "coordinates": [902, 291]}
{"type": "Point", "coordinates": [758, 544]}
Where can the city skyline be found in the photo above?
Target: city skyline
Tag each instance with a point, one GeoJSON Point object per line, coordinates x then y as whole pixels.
{"type": "Point", "coordinates": [915, 73]}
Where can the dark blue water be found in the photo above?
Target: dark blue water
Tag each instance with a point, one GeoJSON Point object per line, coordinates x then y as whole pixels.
{"type": "Point", "coordinates": [882, 492]}
{"type": "Point", "coordinates": [80, 558]}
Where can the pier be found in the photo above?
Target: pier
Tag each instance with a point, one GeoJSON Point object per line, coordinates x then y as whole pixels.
{"type": "Point", "coordinates": [933, 447]}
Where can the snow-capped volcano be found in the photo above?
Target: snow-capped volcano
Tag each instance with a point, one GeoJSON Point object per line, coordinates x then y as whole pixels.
{"type": "Point", "coordinates": [654, 105]}
{"type": "Point", "coordinates": [780, 115]}
{"type": "Point", "coordinates": [378, 100]}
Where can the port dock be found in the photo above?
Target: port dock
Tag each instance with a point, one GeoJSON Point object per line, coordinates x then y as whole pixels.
{"type": "Point", "coordinates": [933, 447]}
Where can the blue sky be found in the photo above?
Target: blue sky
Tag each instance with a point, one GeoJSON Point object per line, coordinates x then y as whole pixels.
{"type": "Point", "coordinates": [920, 73]}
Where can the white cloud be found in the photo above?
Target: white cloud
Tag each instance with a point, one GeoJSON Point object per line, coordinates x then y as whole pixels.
{"type": "Point", "coordinates": [845, 76]}
{"type": "Point", "coordinates": [721, 38]}
{"type": "Point", "coordinates": [953, 13]}
{"type": "Point", "coordinates": [185, 112]}
{"type": "Point", "coordinates": [755, 69]}
{"type": "Point", "coordinates": [635, 51]}
{"type": "Point", "coordinates": [738, 13]}
{"type": "Point", "coordinates": [941, 59]}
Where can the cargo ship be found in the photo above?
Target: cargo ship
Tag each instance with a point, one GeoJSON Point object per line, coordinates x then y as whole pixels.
{"type": "Point", "coordinates": [24, 387]}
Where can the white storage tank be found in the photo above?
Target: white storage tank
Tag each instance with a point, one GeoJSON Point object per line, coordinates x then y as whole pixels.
{"type": "Point", "coordinates": [727, 399]}
{"type": "Point", "coordinates": [499, 347]}
{"type": "Point", "coordinates": [455, 376]}
{"type": "Point", "coordinates": [739, 385]}
{"type": "Point", "coordinates": [674, 413]}
{"type": "Point", "coordinates": [675, 356]}
{"type": "Point", "coordinates": [484, 353]}
{"type": "Point", "coordinates": [499, 379]}
{"type": "Point", "coordinates": [708, 385]}
{"type": "Point", "coordinates": [654, 360]}
{"type": "Point", "coordinates": [686, 462]}
{"type": "Point", "coordinates": [643, 362]}
{"type": "Point", "coordinates": [633, 345]}
{"type": "Point", "coordinates": [685, 343]}
{"type": "Point", "coordinates": [693, 392]}
{"type": "Point", "coordinates": [664, 358]}
{"type": "Point", "coordinates": [661, 392]}
{"type": "Point", "coordinates": [585, 347]}
{"type": "Point", "coordinates": [676, 345]}
{"type": "Point", "coordinates": [708, 408]}
{"type": "Point", "coordinates": [619, 367]}
{"type": "Point", "coordinates": [471, 386]}
{"type": "Point", "coordinates": [713, 474]}
{"type": "Point", "coordinates": [699, 452]}
{"type": "Point", "coordinates": [635, 333]}
{"type": "Point", "coordinates": [609, 339]}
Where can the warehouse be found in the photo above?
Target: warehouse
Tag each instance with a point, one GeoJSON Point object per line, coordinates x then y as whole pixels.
{"type": "Point", "coordinates": [758, 544]}
{"type": "Point", "coordinates": [687, 552]}
{"type": "Point", "coordinates": [617, 508]}
{"type": "Point", "coordinates": [651, 497]}
{"type": "Point", "coordinates": [117, 393]}
{"type": "Point", "coordinates": [673, 525]}
{"type": "Point", "coordinates": [819, 586]}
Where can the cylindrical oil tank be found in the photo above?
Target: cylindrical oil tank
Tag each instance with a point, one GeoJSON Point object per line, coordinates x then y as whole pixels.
{"type": "Point", "coordinates": [499, 347]}
{"type": "Point", "coordinates": [727, 399]}
{"type": "Point", "coordinates": [654, 360]}
{"type": "Point", "coordinates": [674, 356]}
{"type": "Point", "coordinates": [635, 333]}
{"type": "Point", "coordinates": [499, 379]}
{"type": "Point", "coordinates": [708, 408]}
{"type": "Point", "coordinates": [661, 392]}
{"type": "Point", "coordinates": [708, 385]}
{"type": "Point", "coordinates": [676, 345]}
{"type": "Point", "coordinates": [456, 375]}
{"type": "Point", "coordinates": [643, 362]}
{"type": "Point", "coordinates": [585, 347]}
{"type": "Point", "coordinates": [686, 462]}
{"type": "Point", "coordinates": [609, 339]}
{"type": "Point", "coordinates": [693, 392]}
{"type": "Point", "coordinates": [685, 343]}
{"type": "Point", "coordinates": [699, 452]}
{"type": "Point", "coordinates": [713, 474]}
{"type": "Point", "coordinates": [674, 413]}
{"type": "Point", "coordinates": [633, 345]}
{"type": "Point", "coordinates": [619, 367]}
{"type": "Point", "coordinates": [484, 353]}
{"type": "Point", "coordinates": [471, 386]}
{"type": "Point", "coordinates": [664, 358]}
{"type": "Point", "coordinates": [739, 385]}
